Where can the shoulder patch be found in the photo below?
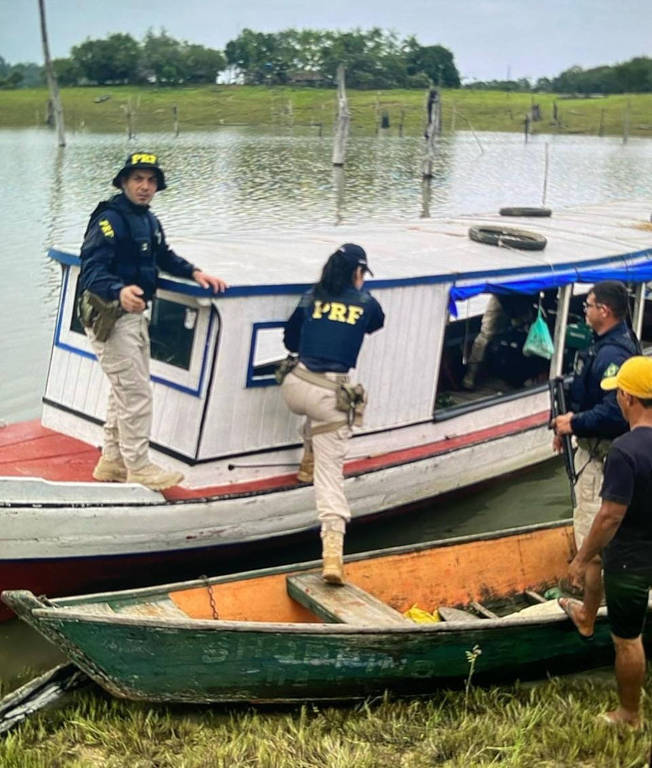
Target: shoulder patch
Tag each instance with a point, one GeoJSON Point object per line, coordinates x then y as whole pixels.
{"type": "Point", "coordinates": [107, 229]}
{"type": "Point", "coordinates": [611, 370]}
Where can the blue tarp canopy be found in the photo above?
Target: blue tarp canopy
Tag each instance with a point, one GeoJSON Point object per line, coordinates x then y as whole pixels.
{"type": "Point", "coordinates": [624, 270]}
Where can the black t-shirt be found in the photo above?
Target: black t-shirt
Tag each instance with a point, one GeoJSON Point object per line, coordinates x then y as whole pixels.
{"type": "Point", "coordinates": [628, 480]}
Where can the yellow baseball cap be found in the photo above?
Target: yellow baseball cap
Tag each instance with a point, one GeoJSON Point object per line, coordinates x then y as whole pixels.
{"type": "Point", "coordinates": [634, 377]}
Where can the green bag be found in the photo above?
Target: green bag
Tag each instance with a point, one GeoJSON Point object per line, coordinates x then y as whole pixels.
{"type": "Point", "coordinates": [539, 341]}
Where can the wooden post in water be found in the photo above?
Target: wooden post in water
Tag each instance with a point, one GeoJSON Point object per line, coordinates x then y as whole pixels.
{"type": "Point", "coordinates": [53, 86]}
{"type": "Point", "coordinates": [377, 112]}
{"type": "Point", "coordinates": [290, 112]}
{"type": "Point", "coordinates": [433, 129]}
{"type": "Point", "coordinates": [601, 126]}
{"type": "Point", "coordinates": [129, 118]}
{"type": "Point", "coordinates": [175, 113]}
{"type": "Point", "coordinates": [400, 124]}
{"type": "Point", "coordinates": [344, 116]}
{"type": "Point", "coordinates": [526, 126]}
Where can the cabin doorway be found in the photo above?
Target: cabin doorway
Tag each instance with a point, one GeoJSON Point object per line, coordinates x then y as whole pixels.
{"type": "Point", "coordinates": [483, 356]}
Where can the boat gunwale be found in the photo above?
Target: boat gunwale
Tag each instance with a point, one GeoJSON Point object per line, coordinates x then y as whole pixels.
{"type": "Point", "coordinates": [295, 628]}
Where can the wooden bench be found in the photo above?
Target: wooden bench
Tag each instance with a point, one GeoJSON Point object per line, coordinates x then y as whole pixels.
{"type": "Point", "coordinates": [456, 614]}
{"type": "Point", "coordinates": [346, 604]}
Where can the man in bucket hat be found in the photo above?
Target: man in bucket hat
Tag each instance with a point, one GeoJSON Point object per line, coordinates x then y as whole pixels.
{"type": "Point", "coordinates": [123, 250]}
{"type": "Point", "coordinates": [622, 532]}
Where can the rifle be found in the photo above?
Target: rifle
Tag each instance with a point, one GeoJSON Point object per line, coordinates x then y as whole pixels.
{"type": "Point", "coordinates": [557, 407]}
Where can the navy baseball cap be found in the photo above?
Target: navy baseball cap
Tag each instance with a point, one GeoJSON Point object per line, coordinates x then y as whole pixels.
{"type": "Point", "coordinates": [355, 255]}
{"type": "Point", "coordinates": [140, 160]}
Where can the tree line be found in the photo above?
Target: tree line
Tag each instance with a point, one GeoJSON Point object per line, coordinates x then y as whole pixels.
{"type": "Point", "coordinates": [373, 59]}
{"type": "Point", "coordinates": [633, 76]}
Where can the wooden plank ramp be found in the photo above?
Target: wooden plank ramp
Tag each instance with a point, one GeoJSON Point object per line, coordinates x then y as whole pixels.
{"type": "Point", "coordinates": [345, 604]}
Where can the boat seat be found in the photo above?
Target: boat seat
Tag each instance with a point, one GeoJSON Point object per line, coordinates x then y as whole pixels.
{"type": "Point", "coordinates": [346, 604]}
{"type": "Point", "coordinates": [535, 597]}
{"type": "Point", "coordinates": [155, 609]}
{"type": "Point", "coordinates": [484, 611]}
{"type": "Point", "coordinates": [456, 614]}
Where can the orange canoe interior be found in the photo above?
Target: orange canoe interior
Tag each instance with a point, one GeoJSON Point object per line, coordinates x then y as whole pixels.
{"type": "Point", "coordinates": [450, 575]}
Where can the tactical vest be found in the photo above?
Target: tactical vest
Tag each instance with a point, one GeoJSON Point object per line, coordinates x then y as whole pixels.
{"type": "Point", "coordinates": [135, 254]}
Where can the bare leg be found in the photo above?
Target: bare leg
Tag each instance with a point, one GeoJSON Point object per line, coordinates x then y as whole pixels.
{"type": "Point", "coordinates": [592, 595]}
{"type": "Point", "coordinates": [630, 675]}
{"type": "Point", "coordinates": [583, 614]}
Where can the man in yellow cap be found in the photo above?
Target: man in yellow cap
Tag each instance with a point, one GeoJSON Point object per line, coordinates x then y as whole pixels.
{"type": "Point", "coordinates": [622, 532]}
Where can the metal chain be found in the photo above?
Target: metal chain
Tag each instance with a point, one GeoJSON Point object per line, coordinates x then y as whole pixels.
{"type": "Point", "coordinates": [211, 596]}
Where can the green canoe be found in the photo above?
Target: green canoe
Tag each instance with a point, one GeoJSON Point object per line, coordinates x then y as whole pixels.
{"type": "Point", "coordinates": [281, 634]}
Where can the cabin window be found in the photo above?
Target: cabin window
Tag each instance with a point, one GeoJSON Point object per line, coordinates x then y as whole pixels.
{"type": "Point", "coordinates": [266, 351]}
{"type": "Point", "coordinates": [75, 322]}
{"type": "Point", "coordinates": [483, 358]}
{"type": "Point", "coordinates": [171, 332]}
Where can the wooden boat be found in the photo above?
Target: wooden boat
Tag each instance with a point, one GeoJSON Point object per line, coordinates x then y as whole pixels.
{"type": "Point", "coordinates": [219, 417]}
{"type": "Point", "coordinates": [281, 634]}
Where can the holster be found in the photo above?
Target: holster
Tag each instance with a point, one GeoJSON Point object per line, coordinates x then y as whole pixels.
{"type": "Point", "coordinates": [285, 367]}
{"type": "Point", "coordinates": [352, 399]}
{"type": "Point", "coordinates": [98, 314]}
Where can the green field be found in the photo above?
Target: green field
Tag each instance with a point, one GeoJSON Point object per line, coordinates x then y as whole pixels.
{"type": "Point", "coordinates": [103, 109]}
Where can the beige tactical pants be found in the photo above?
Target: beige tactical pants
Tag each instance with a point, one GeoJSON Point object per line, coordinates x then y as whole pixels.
{"type": "Point", "coordinates": [494, 321]}
{"type": "Point", "coordinates": [318, 404]}
{"type": "Point", "coordinates": [124, 358]}
{"type": "Point", "coordinates": [589, 462]}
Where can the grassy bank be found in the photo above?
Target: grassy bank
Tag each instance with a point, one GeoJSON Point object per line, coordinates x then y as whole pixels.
{"type": "Point", "coordinates": [209, 107]}
{"type": "Point", "coordinates": [548, 725]}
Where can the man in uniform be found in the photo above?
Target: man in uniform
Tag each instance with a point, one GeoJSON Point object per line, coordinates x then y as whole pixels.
{"type": "Point", "coordinates": [123, 250]}
{"type": "Point", "coordinates": [595, 419]}
{"type": "Point", "coordinates": [622, 531]}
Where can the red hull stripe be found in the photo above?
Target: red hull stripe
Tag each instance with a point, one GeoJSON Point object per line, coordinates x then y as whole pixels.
{"type": "Point", "coordinates": [28, 449]}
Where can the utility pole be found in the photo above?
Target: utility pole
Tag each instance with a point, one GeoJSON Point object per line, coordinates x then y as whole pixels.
{"type": "Point", "coordinates": [53, 86]}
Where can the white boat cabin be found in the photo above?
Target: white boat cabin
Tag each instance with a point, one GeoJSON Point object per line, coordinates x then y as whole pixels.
{"type": "Point", "coordinates": [213, 358]}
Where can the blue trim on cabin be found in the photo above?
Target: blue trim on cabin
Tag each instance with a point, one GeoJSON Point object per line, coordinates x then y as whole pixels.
{"type": "Point", "coordinates": [452, 277]}
{"type": "Point", "coordinates": [194, 392]}
{"type": "Point", "coordinates": [268, 381]}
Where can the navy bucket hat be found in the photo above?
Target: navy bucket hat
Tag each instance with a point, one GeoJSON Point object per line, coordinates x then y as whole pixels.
{"type": "Point", "coordinates": [140, 160]}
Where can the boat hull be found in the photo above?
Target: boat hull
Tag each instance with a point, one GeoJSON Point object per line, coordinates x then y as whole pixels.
{"type": "Point", "coordinates": [190, 642]}
{"type": "Point", "coordinates": [282, 666]}
{"type": "Point", "coordinates": [62, 548]}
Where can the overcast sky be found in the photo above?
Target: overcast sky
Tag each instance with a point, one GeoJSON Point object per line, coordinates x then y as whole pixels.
{"type": "Point", "coordinates": [490, 39]}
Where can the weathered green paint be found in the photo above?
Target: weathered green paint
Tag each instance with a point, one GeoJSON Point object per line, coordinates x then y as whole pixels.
{"type": "Point", "coordinates": [227, 661]}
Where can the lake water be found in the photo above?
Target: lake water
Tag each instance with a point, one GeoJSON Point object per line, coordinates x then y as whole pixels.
{"type": "Point", "coordinates": [238, 180]}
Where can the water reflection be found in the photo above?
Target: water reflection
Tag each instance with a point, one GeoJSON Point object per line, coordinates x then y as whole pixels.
{"type": "Point", "coordinates": [338, 186]}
